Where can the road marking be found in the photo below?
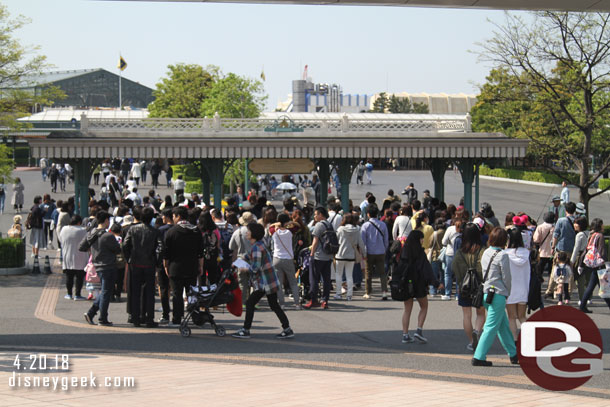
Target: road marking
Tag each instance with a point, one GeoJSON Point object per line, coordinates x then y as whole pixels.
{"type": "Point", "coordinates": [45, 311]}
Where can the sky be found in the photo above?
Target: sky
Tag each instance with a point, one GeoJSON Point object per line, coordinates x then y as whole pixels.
{"type": "Point", "coordinates": [364, 49]}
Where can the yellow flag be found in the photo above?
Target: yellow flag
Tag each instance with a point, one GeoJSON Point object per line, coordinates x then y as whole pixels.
{"type": "Point", "coordinates": [263, 75]}
{"type": "Point", "coordinates": [122, 64]}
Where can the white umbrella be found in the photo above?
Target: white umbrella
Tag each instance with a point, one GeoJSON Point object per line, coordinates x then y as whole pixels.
{"type": "Point", "coordinates": [286, 186]}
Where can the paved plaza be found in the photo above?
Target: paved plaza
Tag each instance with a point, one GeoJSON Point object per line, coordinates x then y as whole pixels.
{"type": "Point", "coordinates": [348, 354]}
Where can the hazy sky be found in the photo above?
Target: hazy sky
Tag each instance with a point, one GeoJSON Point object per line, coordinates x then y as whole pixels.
{"type": "Point", "coordinates": [364, 49]}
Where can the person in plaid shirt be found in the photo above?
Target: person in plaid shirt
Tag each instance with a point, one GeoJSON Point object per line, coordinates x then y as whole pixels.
{"type": "Point", "coordinates": [264, 282]}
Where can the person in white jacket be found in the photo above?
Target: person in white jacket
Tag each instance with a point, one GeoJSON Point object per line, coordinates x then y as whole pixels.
{"type": "Point", "coordinates": [136, 172]}
{"type": "Point", "coordinates": [73, 261]}
{"type": "Point", "coordinates": [402, 225]}
{"type": "Point", "coordinates": [520, 271]}
{"type": "Point", "coordinates": [351, 249]}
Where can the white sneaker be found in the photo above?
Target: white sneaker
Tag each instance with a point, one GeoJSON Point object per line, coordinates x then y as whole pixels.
{"type": "Point", "coordinates": [366, 297]}
{"type": "Point", "coordinates": [337, 296]}
{"type": "Point", "coordinates": [445, 297]}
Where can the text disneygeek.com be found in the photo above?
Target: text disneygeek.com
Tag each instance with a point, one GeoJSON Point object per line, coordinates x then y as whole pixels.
{"type": "Point", "coordinates": [65, 383]}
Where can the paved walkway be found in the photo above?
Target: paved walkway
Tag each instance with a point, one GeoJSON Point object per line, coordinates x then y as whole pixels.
{"type": "Point", "coordinates": [196, 383]}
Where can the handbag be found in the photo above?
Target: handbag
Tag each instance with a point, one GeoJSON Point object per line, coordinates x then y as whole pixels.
{"type": "Point", "coordinates": [477, 300]}
{"type": "Point", "coordinates": [92, 276]}
{"type": "Point", "coordinates": [604, 282]}
{"type": "Point", "coordinates": [592, 257]}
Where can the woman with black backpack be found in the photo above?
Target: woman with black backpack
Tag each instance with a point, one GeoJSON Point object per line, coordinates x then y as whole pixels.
{"type": "Point", "coordinates": [410, 281]}
{"type": "Point", "coordinates": [467, 266]}
{"type": "Point", "coordinates": [211, 248]}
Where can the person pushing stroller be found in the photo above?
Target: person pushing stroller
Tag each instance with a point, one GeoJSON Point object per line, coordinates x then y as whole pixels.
{"type": "Point", "coordinates": [264, 282]}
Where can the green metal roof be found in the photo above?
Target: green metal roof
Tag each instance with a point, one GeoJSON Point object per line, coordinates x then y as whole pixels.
{"type": "Point", "coordinates": [30, 81]}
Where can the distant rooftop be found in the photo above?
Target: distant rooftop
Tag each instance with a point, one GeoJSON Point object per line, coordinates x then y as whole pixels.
{"type": "Point", "coordinates": [67, 114]}
{"type": "Point", "coordinates": [45, 78]}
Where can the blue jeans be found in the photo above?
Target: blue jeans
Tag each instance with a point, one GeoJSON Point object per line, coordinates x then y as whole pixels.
{"type": "Point", "coordinates": [2, 199]}
{"type": "Point", "coordinates": [102, 301]}
{"type": "Point", "coordinates": [593, 282]}
{"type": "Point", "coordinates": [437, 269]}
{"type": "Point", "coordinates": [448, 275]}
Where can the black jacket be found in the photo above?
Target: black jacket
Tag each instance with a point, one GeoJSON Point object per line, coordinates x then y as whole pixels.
{"type": "Point", "coordinates": [183, 247]}
{"type": "Point", "coordinates": [104, 248]}
{"type": "Point", "coordinates": [142, 245]}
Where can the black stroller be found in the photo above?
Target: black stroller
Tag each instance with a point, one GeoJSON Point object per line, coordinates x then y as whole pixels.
{"type": "Point", "coordinates": [202, 298]}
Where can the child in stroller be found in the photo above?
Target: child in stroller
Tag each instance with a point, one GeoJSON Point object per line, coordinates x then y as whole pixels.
{"type": "Point", "coordinates": [202, 298]}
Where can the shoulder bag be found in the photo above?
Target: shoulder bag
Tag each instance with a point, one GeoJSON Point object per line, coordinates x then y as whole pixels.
{"type": "Point", "coordinates": [477, 300]}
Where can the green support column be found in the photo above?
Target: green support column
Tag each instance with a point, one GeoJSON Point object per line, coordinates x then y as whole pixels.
{"type": "Point", "coordinates": [345, 177]}
{"type": "Point", "coordinates": [476, 188]}
{"type": "Point", "coordinates": [324, 175]}
{"type": "Point", "coordinates": [438, 167]}
{"type": "Point", "coordinates": [466, 167]}
{"type": "Point", "coordinates": [215, 170]}
{"type": "Point", "coordinates": [246, 178]}
{"type": "Point", "coordinates": [82, 176]}
{"type": "Point", "coordinates": [205, 182]}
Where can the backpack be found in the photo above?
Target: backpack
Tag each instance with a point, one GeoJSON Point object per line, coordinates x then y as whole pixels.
{"type": "Point", "coordinates": [457, 243]}
{"type": "Point", "coordinates": [210, 245]}
{"type": "Point", "coordinates": [329, 240]}
{"type": "Point", "coordinates": [404, 281]}
{"type": "Point", "coordinates": [470, 284]}
{"type": "Point", "coordinates": [225, 239]}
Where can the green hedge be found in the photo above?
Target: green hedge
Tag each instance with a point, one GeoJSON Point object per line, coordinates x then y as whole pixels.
{"type": "Point", "coordinates": [604, 183]}
{"type": "Point", "coordinates": [194, 186]}
{"type": "Point", "coordinates": [537, 176]}
{"type": "Point", "coordinates": [12, 253]}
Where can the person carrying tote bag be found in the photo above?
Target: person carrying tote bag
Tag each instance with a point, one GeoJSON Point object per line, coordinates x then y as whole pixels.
{"type": "Point", "coordinates": [595, 256]}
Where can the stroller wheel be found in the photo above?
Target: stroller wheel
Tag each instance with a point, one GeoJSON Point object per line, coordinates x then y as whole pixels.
{"type": "Point", "coordinates": [185, 331]}
{"type": "Point", "coordinates": [220, 331]}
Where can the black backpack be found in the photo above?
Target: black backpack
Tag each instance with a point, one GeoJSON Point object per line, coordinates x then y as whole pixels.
{"type": "Point", "coordinates": [329, 239]}
{"type": "Point", "coordinates": [210, 248]}
{"type": "Point", "coordinates": [470, 284]}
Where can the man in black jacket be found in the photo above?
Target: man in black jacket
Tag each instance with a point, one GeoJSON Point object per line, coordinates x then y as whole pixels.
{"type": "Point", "coordinates": [104, 249]}
{"type": "Point", "coordinates": [140, 248]}
{"type": "Point", "coordinates": [182, 259]}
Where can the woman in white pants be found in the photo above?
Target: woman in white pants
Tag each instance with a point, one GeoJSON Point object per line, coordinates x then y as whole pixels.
{"type": "Point", "coordinates": [283, 259]}
{"type": "Point", "coordinates": [351, 249]}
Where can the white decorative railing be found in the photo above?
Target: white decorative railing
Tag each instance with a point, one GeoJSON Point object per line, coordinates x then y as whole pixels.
{"type": "Point", "coordinates": [216, 124]}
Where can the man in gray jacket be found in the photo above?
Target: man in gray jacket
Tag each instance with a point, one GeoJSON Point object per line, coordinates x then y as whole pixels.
{"type": "Point", "coordinates": [104, 248]}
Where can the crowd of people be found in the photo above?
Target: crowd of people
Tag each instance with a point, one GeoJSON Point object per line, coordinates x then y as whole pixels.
{"type": "Point", "coordinates": [418, 249]}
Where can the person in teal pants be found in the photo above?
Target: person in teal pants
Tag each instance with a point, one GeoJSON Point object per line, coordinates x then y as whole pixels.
{"type": "Point", "coordinates": [496, 267]}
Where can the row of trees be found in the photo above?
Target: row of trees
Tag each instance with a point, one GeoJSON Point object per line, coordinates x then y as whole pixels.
{"type": "Point", "coordinates": [394, 104]}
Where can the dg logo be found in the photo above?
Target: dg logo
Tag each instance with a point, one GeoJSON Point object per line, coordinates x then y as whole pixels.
{"type": "Point", "coordinates": [560, 348]}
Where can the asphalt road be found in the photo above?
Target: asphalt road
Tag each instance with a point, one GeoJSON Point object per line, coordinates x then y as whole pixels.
{"type": "Point", "coordinates": [360, 335]}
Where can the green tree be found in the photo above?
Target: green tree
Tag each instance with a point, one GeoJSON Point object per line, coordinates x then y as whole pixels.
{"type": "Point", "coordinates": [420, 108]}
{"type": "Point", "coordinates": [181, 93]}
{"type": "Point", "coordinates": [6, 164]}
{"type": "Point", "coordinates": [381, 103]}
{"type": "Point", "coordinates": [551, 85]}
{"type": "Point", "coordinates": [192, 91]}
{"type": "Point", "coordinates": [18, 63]}
{"type": "Point", "coordinates": [235, 97]}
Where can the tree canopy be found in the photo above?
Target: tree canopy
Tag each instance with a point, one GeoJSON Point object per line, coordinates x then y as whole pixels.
{"type": "Point", "coordinates": [17, 62]}
{"type": "Point", "coordinates": [551, 84]}
{"type": "Point", "coordinates": [192, 91]}
{"type": "Point", "coordinates": [395, 104]}
{"type": "Point", "coordinates": [181, 93]}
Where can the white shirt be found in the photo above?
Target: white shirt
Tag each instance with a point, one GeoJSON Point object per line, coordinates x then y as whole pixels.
{"type": "Point", "coordinates": [565, 195]}
{"type": "Point", "coordinates": [282, 244]}
{"type": "Point", "coordinates": [131, 184]}
{"type": "Point", "coordinates": [334, 219]}
{"type": "Point", "coordinates": [136, 170]}
{"type": "Point", "coordinates": [70, 238]}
